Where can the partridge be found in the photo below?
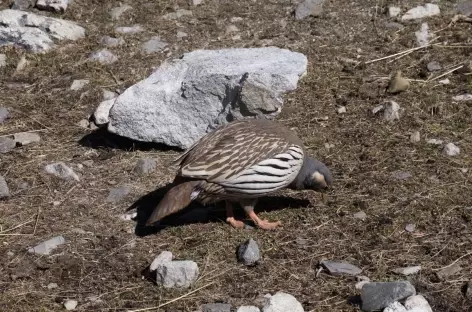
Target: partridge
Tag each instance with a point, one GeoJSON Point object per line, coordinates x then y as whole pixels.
{"type": "Point", "coordinates": [241, 162]}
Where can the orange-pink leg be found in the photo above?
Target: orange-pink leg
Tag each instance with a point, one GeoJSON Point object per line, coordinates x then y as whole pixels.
{"type": "Point", "coordinates": [230, 217]}
{"type": "Point", "coordinates": [263, 224]}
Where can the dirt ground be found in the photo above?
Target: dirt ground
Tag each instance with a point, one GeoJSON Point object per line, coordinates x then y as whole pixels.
{"type": "Point", "coordinates": [100, 265]}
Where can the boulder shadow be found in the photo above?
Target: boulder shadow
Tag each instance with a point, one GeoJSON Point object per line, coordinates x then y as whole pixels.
{"type": "Point", "coordinates": [197, 213]}
{"type": "Point", "coordinates": [102, 138]}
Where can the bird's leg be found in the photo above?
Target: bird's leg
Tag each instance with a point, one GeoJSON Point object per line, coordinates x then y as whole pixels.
{"type": "Point", "coordinates": [248, 206]}
{"type": "Point", "coordinates": [230, 217]}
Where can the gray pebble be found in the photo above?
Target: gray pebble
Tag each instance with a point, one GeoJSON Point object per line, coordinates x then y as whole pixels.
{"type": "Point", "coordinates": [248, 252]}
{"type": "Point", "coordinates": [4, 114]}
{"type": "Point", "coordinates": [155, 44]}
{"type": "Point", "coordinates": [378, 295]}
{"type": "Point", "coordinates": [433, 66]}
{"type": "Point", "coordinates": [25, 138]}
{"type": "Point", "coordinates": [111, 42]}
{"type": "Point", "coordinates": [4, 190]}
{"type": "Point", "coordinates": [339, 268]}
{"type": "Point", "coordinates": [309, 7]}
{"type": "Point", "coordinates": [6, 145]}
{"type": "Point", "coordinates": [61, 170]}
{"type": "Point", "coordinates": [129, 29]}
{"type": "Point", "coordinates": [46, 247]}
{"type": "Point", "coordinates": [407, 270]}
{"type": "Point", "coordinates": [52, 286]}
{"type": "Point", "coordinates": [117, 194]}
{"type": "Point", "coordinates": [104, 57]}
{"type": "Point", "coordinates": [410, 227]}
{"type": "Point", "coordinates": [145, 166]}
{"type": "Point", "coordinates": [3, 60]}
{"type": "Point", "coordinates": [361, 215]}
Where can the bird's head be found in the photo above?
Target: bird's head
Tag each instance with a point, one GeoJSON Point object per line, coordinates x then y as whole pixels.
{"type": "Point", "coordinates": [314, 175]}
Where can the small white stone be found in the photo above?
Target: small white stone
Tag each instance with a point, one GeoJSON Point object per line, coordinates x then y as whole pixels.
{"type": "Point", "coordinates": [464, 170]}
{"type": "Point", "coordinates": [341, 110]}
{"type": "Point", "coordinates": [52, 5]}
{"type": "Point", "coordinates": [3, 60]}
{"type": "Point", "coordinates": [231, 29]}
{"type": "Point", "coordinates": [451, 149]}
{"type": "Point", "coordinates": [377, 109]}
{"type": "Point", "coordinates": [415, 137]}
{"type": "Point", "coordinates": [52, 286]}
{"type": "Point", "coordinates": [129, 29]}
{"type": "Point", "coordinates": [70, 304]}
{"type": "Point", "coordinates": [84, 123]}
{"type": "Point", "coordinates": [10, 254]}
{"type": "Point", "coordinates": [410, 227]}
{"type": "Point", "coordinates": [407, 270]}
{"type": "Point", "coordinates": [361, 284]}
{"type": "Point", "coordinates": [163, 257]}
{"type": "Point", "coordinates": [197, 2]}
{"type": "Point", "coordinates": [463, 97]}
{"type": "Point", "coordinates": [435, 141]}
{"type": "Point", "coordinates": [108, 95]}
{"type": "Point", "coordinates": [79, 84]}
{"type": "Point", "coordinates": [417, 303]}
{"type": "Point", "coordinates": [181, 34]}
{"type": "Point", "coordinates": [444, 81]}
{"type": "Point", "coordinates": [394, 11]}
{"type": "Point", "coordinates": [46, 247]}
{"type": "Point", "coordinates": [61, 170]}
{"type": "Point", "coordinates": [282, 302]}
{"type": "Point", "coordinates": [104, 57]}
{"type": "Point", "coordinates": [395, 307]}
{"type": "Point", "coordinates": [392, 111]}
{"type": "Point", "coordinates": [22, 64]}
{"type": "Point", "coordinates": [248, 309]}
{"type": "Point", "coordinates": [360, 215]}
{"type": "Point", "coordinates": [423, 35]}
{"type": "Point", "coordinates": [236, 19]}
{"type": "Point", "coordinates": [128, 216]}
{"type": "Point", "coordinates": [427, 10]}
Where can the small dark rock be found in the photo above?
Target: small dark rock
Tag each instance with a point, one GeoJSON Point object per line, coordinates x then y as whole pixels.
{"type": "Point", "coordinates": [377, 296]}
{"type": "Point", "coordinates": [6, 145]}
{"type": "Point", "coordinates": [216, 307]}
{"type": "Point", "coordinates": [433, 66]}
{"type": "Point", "coordinates": [248, 253]}
{"type": "Point", "coordinates": [339, 268]}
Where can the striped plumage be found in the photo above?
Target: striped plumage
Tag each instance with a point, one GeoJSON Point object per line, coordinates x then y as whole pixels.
{"type": "Point", "coordinates": [240, 162]}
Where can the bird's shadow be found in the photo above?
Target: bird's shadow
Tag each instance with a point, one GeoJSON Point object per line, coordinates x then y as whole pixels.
{"type": "Point", "coordinates": [197, 213]}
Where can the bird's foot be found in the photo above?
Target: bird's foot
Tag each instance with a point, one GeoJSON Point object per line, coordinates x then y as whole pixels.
{"type": "Point", "coordinates": [235, 223]}
{"type": "Point", "coordinates": [266, 225]}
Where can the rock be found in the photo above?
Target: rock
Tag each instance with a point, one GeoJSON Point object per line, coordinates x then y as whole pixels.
{"type": "Point", "coordinates": [35, 33]}
{"type": "Point", "coordinates": [6, 145]}
{"type": "Point", "coordinates": [282, 302]}
{"type": "Point", "coordinates": [407, 270]}
{"type": "Point", "coordinates": [361, 215]}
{"type": "Point", "coordinates": [410, 227]}
{"type": "Point", "coordinates": [379, 295]}
{"type": "Point", "coordinates": [102, 112]}
{"type": "Point", "coordinates": [341, 110]}
{"type": "Point", "coordinates": [83, 123]}
{"type": "Point", "coordinates": [417, 303]}
{"type": "Point", "coordinates": [109, 95]}
{"type": "Point", "coordinates": [392, 111]}
{"type": "Point", "coordinates": [163, 257]}
{"type": "Point", "coordinates": [79, 84]}
{"type": "Point", "coordinates": [309, 7]}
{"type": "Point", "coordinates": [468, 290]}
{"type": "Point", "coordinates": [52, 286]}
{"type": "Point", "coordinates": [434, 141]}
{"type": "Point", "coordinates": [117, 194]}
{"type": "Point", "coordinates": [116, 13]}
{"type": "Point", "coordinates": [340, 268]}
{"type": "Point", "coordinates": [129, 216]}
{"type": "Point", "coordinates": [444, 81]}
{"type": "Point", "coordinates": [423, 35]}
{"type": "Point", "coordinates": [194, 91]}
{"type": "Point", "coordinates": [22, 64]}
{"type": "Point", "coordinates": [70, 304]}
{"type": "Point", "coordinates": [360, 284]}
{"type": "Point", "coordinates": [25, 138]}
{"type": "Point", "coordinates": [433, 66]}
{"type": "Point", "coordinates": [419, 12]}
{"type": "Point", "coordinates": [216, 307]}
{"type": "Point", "coordinates": [464, 8]}
{"type": "Point", "coordinates": [393, 25]}
{"type": "Point", "coordinates": [181, 34]}
{"type": "Point", "coordinates": [4, 190]}
{"type": "Point", "coordinates": [46, 247]}
{"type": "Point", "coordinates": [61, 170]}
{"type": "Point", "coordinates": [3, 60]}
{"type": "Point", "coordinates": [4, 114]}
{"type": "Point", "coordinates": [180, 274]}
{"type": "Point", "coordinates": [197, 2]}
{"type": "Point", "coordinates": [444, 273]}
{"type": "Point", "coordinates": [52, 5]}
{"type": "Point", "coordinates": [415, 137]}
{"type": "Point", "coordinates": [395, 307]}
{"type": "Point", "coordinates": [248, 309]}
{"type": "Point", "coordinates": [450, 149]}
{"type": "Point", "coordinates": [22, 4]}
{"type": "Point", "coordinates": [398, 83]}
{"type": "Point", "coordinates": [177, 14]}
{"type": "Point", "coordinates": [129, 29]}
{"type": "Point", "coordinates": [145, 166]}
{"type": "Point", "coordinates": [155, 44]}
{"type": "Point", "coordinates": [111, 42]}
{"type": "Point", "coordinates": [237, 19]}
{"type": "Point", "coordinates": [400, 175]}
{"type": "Point", "coordinates": [103, 56]}
{"type": "Point", "coordinates": [462, 97]}
{"type": "Point", "coordinates": [248, 253]}
{"type": "Point", "coordinates": [394, 11]}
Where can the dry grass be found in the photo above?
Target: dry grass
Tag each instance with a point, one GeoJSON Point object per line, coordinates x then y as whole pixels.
{"type": "Point", "coordinates": [104, 256]}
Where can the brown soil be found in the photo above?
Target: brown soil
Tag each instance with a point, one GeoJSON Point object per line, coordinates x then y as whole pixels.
{"type": "Point", "coordinates": [104, 255]}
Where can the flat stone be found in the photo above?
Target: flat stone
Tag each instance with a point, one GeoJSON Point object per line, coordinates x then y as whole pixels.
{"type": "Point", "coordinates": [309, 8]}
{"type": "Point", "coordinates": [155, 44]}
{"type": "Point", "coordinates": [22, 4]}
{"type": "Point", "coordinates": [282, 302]}
{"type": "Point", "coordinates": [61, 170]}
{"type": "Point", "coordinates": [444, 81]}
{"type": "Point", "coordinates": [46, 247]}
{"type": "Point", "coordinates": [394, 11]}
{"type": "Point", "coordinates": [434, 141]}
{"type": "Point", "coordinates": [103, 56]}
{"type": "Point", "coordinates": [248, 253]}
{"type": "Point", "coordinates": [248, 309]}
{"type": "Point", "coordinates": [193, 92]}
{"type": "Point", "coordinates": [407, 270]}
{"type": "Point", "coordinates": [70, 305]}
{"type": "Point", "coordinates": [410, 227]}
{"type": "Point", "coordinates": [111, 42]}
{"type": "Point", "coordinates": [163, 257]}
{"type": "Point", "coordinates": [415, 137]}
{"type": "Point", "coordinates": [4, 114]}
{"type": "Point", "coordinates": [340, 268]}
{"type": "Point", "coordinates": [450, 149]}
{"type": "Point", "coordinates": [53, 5]}
{"type": "Point", "coordinates": [6, 145]}
{"type": "Point", "coordinates": [145, 166]}
{"type": "Point", "coordinates": [216, 307]}
{"type": "Point", "coordinates": [464, 8]}
{"type": "Point", "coordinates": [79, 84]}
{"type": "Point", "coordinates": [341, 110]}
{"type": "Point", "coordinates": [378, 295]}
{"type": "Point", "coordinates": [361, 215]}
{"type": "Point", "coordinates": [177, 14]}
{"type": "Point", "coordinates": [35, 33]}
{"type": "Point", "coordinates": [392, 111]}
{"type": "Point", "coordinates": [181, 34]}
{"type": "Point", "coordinates": [116, 13]}
{"type": "Point", "coordinates": [444, 273]}
{"type": "Point", "coordinates": [177, 274]}
{"type": "Point", "coordinates": [52, 286]}
{"type": "Point", "coordinates": [393, 25]}
{"type": "Point", "coordinates": [417, 303]}
{"type": "Point", "coordinates": [419, 12]}
{"type": "Point", "coordinates": [4, 190]}
{"type": "Point", "coordinates": [395, 307]}
{"type": "Point", "coordinates": [26, 138]}
{"type": "Point", "coordinates": [117, 194]}
{"type": "Point", "coordinates": [129, 29]}
{"type": "Point", "coordinates": [462, 97]}
{"type": "Point", "coordinates": [433, 66]}
{"type": "Point", "coordinates": [3, 60]}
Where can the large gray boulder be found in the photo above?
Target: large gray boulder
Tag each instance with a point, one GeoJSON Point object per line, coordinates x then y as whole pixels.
{"type": "Point", "coordinates": [188, 97]}
{"type": "Point", "coordinates": [35, 33]}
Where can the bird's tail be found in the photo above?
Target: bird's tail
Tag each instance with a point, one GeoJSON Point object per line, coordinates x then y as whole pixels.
{"type": "Point", "coordinates": [177, 198]}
